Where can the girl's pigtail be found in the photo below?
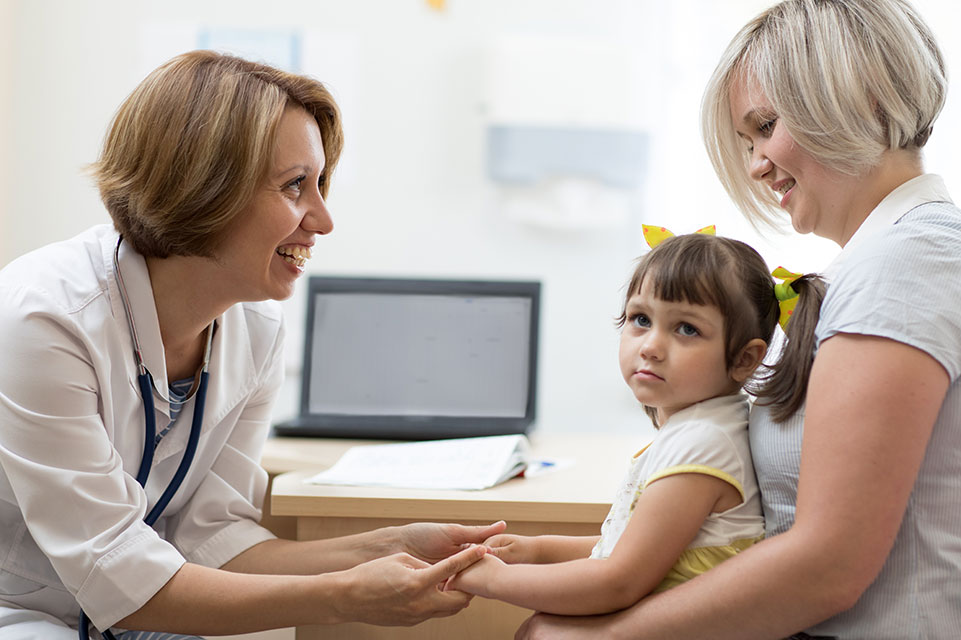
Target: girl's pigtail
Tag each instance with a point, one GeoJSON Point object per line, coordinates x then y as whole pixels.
{"type": "Point", "coordinates": [783, 386]}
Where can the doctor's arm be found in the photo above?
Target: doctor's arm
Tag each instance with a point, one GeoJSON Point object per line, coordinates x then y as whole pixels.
{"type": "Point", "coordinates": [667, 516]}
{"type": "Point", "coordinates": [864, 441]}
{"type": "Point", "coordinates": [396, 590]}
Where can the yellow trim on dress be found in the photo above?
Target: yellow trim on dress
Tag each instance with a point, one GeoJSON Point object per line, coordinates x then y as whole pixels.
{"type": "Point", "coordinates": [643, 449]}
{"type": "Point", "coordinates": [697, 468]}
{"type": "Point", "coordinates": [694, 562]}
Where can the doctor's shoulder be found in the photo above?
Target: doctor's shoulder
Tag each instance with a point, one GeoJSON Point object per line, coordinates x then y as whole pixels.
{"type": "Point", "coordinates": [67, 273]}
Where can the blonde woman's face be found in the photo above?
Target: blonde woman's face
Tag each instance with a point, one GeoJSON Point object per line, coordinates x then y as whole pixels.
{"type": "Point", "coordinates": [819, 200]}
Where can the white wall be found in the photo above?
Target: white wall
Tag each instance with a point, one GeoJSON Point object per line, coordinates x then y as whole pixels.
{"type": "Point", "coordinates": [412, 197]}
{"type": "Point", "coordinates": [6, 120]}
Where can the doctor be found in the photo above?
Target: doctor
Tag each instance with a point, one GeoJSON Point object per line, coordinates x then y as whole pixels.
{"type": "Point", "coordinates": [215, 172]}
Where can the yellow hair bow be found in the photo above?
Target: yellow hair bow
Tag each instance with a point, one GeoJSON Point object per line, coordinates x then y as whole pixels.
{"type": "Point", "coordinates": [656, 235]}
{"type": "Point", "coordinates": [786, 296]}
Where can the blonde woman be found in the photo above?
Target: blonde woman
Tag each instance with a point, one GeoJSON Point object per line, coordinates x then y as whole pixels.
{"type": "Point", "coordinates": [139, 345]}
{"type": "Point", "coordinates": [819, 110]}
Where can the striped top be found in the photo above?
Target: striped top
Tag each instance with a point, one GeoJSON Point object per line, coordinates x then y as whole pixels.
{"type": "Point", "coordinates": [918, 260]}
{"type": "Point", "coordinates": [178, 390]}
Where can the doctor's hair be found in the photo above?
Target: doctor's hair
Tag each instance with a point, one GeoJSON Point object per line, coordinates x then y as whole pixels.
{"type": "Point", "coordinates": [730, 275]}
{"type": "Point", "coordinates": [848, 79]}
{"type": "Point", "coordinates": [190, 145]}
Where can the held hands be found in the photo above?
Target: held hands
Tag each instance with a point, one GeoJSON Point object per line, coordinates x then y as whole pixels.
{"type": "Point", "coordinates": [432, 542]}
{"type": "Point", "coordinates": [403, 590]}
{"type": "Point", "coordinates": [478, 577]}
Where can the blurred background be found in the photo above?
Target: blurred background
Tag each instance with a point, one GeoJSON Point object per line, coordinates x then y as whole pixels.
{"type": "Point", "coordinates": [514, 139]}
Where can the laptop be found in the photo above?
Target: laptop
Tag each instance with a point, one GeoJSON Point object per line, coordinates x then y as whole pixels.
{"type": "Point", "coordinates": [417, 359]}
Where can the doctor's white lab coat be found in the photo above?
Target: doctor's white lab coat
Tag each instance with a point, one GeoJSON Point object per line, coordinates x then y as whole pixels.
{"type": "Point", "coordinates": [72, 431]}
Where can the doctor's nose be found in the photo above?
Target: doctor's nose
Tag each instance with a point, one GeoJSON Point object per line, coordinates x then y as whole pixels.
{"type": "Point", "coordinates": [318, 219]}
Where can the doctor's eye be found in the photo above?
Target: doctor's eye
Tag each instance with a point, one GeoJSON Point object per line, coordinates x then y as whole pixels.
{"type": "Point", "coordinates": [296, 184]}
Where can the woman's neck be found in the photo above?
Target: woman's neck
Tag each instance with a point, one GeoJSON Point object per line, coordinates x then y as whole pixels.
{"type": "Point", "coordinates": [187, 302]}
{"type": "Point", "coordinates": [894, 169]}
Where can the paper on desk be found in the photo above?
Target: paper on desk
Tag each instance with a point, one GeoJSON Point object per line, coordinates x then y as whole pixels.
{"type": "Point", "coordinates": [462, 463]}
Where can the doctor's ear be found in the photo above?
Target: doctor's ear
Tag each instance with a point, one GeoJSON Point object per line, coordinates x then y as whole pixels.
{"type": "Point", "coordinates": [747, 360]}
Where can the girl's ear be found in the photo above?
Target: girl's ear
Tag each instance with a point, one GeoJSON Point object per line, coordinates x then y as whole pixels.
{"type": "Point", "coordinates": [748, 359]}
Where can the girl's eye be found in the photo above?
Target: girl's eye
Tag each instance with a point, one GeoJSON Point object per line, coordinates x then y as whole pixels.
{"type": "Point", "coordinates": [688, 330]}
{"type": "Point", "coordinates": [640, 321]}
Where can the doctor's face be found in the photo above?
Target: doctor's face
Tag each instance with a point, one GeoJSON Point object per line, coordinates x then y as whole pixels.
{"type": "Point", "coordinates": [269, 244]}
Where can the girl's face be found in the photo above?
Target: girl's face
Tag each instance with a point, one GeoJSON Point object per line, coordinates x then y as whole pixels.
{"type": "Point", "coordinates": [819, 200]}
{"type": "Point", "coordinates": [266, 250]}
{"type": "Point", "coordinates": [672, 353]}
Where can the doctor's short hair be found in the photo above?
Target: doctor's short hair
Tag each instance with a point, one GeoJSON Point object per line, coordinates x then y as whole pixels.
{"type": "Point", "coordinates": [190, 145]}
{"type": "Point", "coordinates": [849, 79]}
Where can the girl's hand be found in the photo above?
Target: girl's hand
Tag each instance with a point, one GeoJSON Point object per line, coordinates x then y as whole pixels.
{"type": "Point", "coordinates": [514, 549]}
{"type": "Point", "coordinates": [478, 577]}
{"type": "Point", "coordinates": [546, 549]}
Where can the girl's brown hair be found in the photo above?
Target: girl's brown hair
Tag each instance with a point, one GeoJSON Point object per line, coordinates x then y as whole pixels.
{"type": "Point", "coordinates": [730, 275]}
{"type": "Point", "coordinates": [187, 149]}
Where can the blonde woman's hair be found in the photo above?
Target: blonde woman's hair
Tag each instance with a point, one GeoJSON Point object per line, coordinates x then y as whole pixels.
{"type": "Point", "coordinates": [188, 148]}
{"type": "Point", "coordinates": [849, 79]}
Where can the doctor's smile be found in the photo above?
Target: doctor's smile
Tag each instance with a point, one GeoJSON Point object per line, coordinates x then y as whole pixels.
{"type": "Point", "coordinates": [296, 255]}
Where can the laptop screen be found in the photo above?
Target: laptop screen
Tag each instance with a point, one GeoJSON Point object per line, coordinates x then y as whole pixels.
{"type": "Point", "coordinates": [407, 359]}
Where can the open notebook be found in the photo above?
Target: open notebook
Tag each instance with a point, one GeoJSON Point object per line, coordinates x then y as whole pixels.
{"type": "Point", "coordinates": [460, 463]}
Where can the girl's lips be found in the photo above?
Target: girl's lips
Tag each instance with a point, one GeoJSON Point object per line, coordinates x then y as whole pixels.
{"type": "Point", "coordinates": [644, 374]}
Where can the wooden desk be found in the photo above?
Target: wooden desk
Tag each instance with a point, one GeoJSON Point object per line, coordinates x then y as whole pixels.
{"type": "Point", "coordinates": [572, 501]}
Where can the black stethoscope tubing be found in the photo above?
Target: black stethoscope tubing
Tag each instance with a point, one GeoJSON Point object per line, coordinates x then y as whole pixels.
{"type": "Point", "coordinates": [145, 382]}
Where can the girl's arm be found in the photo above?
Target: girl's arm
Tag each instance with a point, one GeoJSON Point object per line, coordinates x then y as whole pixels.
{"type": "Point", "coordinates": [514, 549]}
{"type": "Point", "coordinates": [864, 442]}
{"type": "Point", "coordinates": [667, 516]}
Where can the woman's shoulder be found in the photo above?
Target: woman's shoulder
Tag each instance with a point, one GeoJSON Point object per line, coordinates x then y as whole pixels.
{"type": "Point", "coordinates": [902, 284]}
{"type": "Point", "coordinates": [925, 240]}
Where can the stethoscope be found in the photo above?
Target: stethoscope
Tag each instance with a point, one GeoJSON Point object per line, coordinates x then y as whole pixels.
{"type": "Point", "coordinates": [147, 387]}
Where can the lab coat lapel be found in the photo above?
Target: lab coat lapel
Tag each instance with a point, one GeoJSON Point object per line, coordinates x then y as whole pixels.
{"type": "Point", "coordinates": [232, 371]}
{"type": "Point", "coordinates": [231, 378]}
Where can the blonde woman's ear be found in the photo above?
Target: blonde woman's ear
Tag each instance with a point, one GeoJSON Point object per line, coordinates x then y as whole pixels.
{"type": "Point", "coordinates": [748, 359]}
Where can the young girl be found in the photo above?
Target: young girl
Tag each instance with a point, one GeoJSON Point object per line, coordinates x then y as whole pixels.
{"type": "Point", "coordinates": [699, 314]}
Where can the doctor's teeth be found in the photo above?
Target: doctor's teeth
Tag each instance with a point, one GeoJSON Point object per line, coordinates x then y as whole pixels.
{"type": "Point", "coordinates": [295, 255]}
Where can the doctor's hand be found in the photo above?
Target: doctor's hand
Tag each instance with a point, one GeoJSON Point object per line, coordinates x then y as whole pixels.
{"type": "Point", "coordinates": [400, 590]}
{"type": "Point", "coordinates": [432, 542]}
